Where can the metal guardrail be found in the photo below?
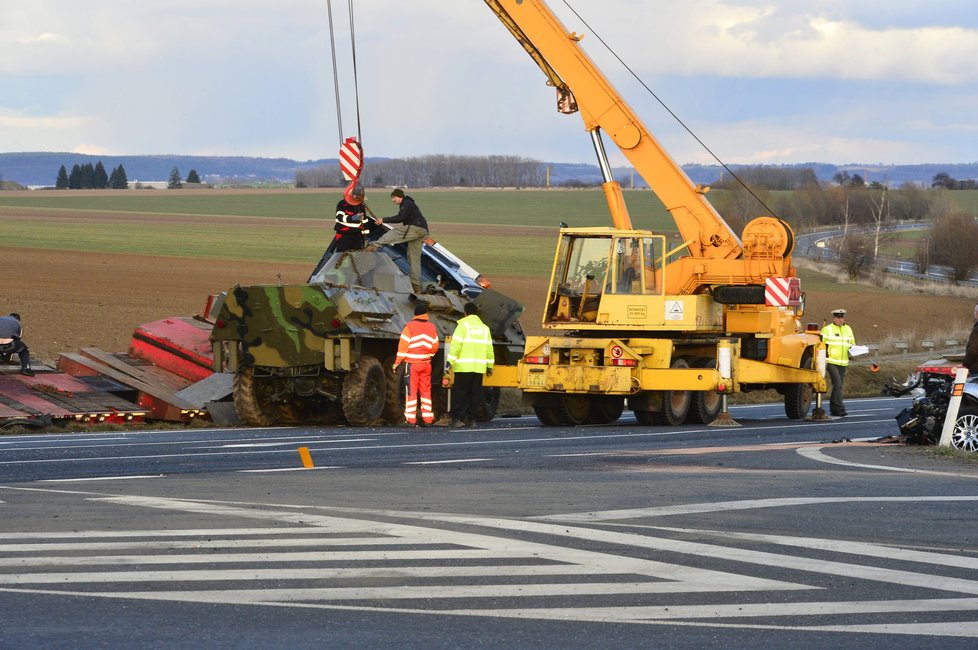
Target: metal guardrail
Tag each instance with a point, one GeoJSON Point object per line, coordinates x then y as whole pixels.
{"type": "Point", "coordinates": [807, 245]}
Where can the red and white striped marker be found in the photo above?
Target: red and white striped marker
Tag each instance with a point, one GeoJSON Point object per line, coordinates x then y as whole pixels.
{"type": "Point", "coordinates": [782, 292]}
{"type": "Point", "coordinates": [351, 159]}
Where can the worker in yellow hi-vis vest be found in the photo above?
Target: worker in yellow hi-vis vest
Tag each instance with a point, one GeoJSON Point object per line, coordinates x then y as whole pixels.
{"type": "Point", "coordinates": [838, 338]}
{"type": "Point", "coordinates": [471, 357]}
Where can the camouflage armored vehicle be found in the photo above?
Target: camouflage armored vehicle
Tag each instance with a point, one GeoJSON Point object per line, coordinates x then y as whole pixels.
{"type": "Point", "coordinates": [321, 352]}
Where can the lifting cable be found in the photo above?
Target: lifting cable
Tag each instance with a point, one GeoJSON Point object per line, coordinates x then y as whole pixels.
{"type": "Point", "coordinates": [669, 110]}
{"type": "Point", "coordinates": [336, 79]}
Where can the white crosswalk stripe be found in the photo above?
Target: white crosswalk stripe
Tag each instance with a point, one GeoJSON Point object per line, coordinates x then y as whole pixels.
{"type": "Point", "coordinates": [483, 566]}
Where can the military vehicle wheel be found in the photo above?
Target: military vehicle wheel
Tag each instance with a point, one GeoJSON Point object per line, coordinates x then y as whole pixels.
{"type": "Point", "coordinates": [394, 401]}
{"type": "Point", "coordinates": [675, 403]}
{"type": "Point", "coordinates": [251, 401]}
{"type": "Point", "coordinates": [798, 397]}
{"type": "Point", "coordinates": [965, 433]}
{"type": "Point", "coordinates": [573, 410]}
{"type": "Point", "coordinates": [489, 405]}
{"type": "Point", "coordinates": [706, 404]}
{"type": "Point", "coordinates": [365, 393]}
{"type": "Point", "coordinates": [605, 409]}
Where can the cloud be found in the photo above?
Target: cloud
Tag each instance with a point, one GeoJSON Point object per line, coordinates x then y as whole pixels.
{"type": "Point", "coordinates": [760, 80]}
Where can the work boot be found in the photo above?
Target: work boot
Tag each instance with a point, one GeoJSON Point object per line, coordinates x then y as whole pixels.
{"type": "Point", "coordinates": [27, 372]}
{"type": "Point", "coordinates": [444, 421]}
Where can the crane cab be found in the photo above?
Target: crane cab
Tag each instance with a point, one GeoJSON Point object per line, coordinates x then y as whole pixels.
{"type": "Point", "coordinates": [610, 279]}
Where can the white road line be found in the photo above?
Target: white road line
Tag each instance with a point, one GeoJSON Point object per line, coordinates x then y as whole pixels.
{"type": "Point", "coordinates": [187, 532]}
{"type": "Point", "coordinates": [444, 462]}
{"type": "Point", "coordinates": [341, 573]}
{"type": "Point", "coordinates": [454, 443]}
{"type": "Point", "coordinates": [592, 453]}
{"type": "Point", "coordinates": [852, 548]}
{"type": "Point", "coordinates": [243, 445]}
{"type": "Point", "coordinates": [815, 453]}
{"type": "Point", "coordinates": [813, 565]}
{"type": "Point", "coordinates": [674, 612]}
{"type": "Point", "coordinates": [434, 550]}
{"type": "Point", "coordinates": [199, 543]}
{"type": "Point", "coordinates": [222, 558]}
{"type": "Point", "coordinates": [723, 506]}
{"type": "Point", "coordinates": [287, 469]}
{"type": "Point", "coordinates": [99, 478]}
{"type": "Point", "coordinates": [506, 547]}
{"type": "Point", "coordinates": [411, 592]}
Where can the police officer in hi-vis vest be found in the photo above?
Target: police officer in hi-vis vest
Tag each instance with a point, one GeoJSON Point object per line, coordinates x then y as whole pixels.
{"type": "Point", "coordinates": [838, 338]}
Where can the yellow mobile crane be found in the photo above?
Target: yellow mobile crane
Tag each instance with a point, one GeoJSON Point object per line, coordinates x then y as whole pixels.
{"type": "Point", "coordinates": [673, 331]}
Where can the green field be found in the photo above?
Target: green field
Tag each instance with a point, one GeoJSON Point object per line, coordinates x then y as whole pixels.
{"type": "Point", "coordinates": [967, 200]}
{"type": "Point", "coordinates": [144, 223]}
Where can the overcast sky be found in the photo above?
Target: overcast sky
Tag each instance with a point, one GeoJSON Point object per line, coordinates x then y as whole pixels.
{"type": "Point", "coordinates": [777, 81]}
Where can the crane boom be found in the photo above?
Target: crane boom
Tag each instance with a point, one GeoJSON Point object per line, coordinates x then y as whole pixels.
{"type": "Point", "coordinates": [569, 69]}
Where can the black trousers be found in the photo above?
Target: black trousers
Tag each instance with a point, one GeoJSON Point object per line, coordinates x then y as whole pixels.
{"type": "Point", "coordinates": [20, 349]}
{"type": "Point", "coordinates": [467, 395]}
{"type": "Point", "coordinates": [837, 374]}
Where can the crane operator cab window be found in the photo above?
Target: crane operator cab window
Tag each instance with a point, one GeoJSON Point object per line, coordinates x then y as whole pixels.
{"type": "Point", "coordinates": [637, 266]}
{"type": "Point", "coordinates": [579, 276]}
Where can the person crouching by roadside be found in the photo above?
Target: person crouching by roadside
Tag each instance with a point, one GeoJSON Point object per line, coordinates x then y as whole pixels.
{"type": "Point", "coordinates": [419, 342]}
{"type": "Point", "coordinates": [11, 342]}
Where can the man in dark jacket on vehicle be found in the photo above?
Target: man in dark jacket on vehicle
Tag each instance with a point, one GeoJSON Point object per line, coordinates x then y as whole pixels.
{"type": "Point", "coordinates": [971, 349]}
{"type": "Point", "coordinates": [11, 343]}
{"type": "Point", "coordinates": [411, 229]}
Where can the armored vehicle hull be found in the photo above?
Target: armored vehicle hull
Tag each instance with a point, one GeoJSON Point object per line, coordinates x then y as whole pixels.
{"type": "Point", "coordinates": [322, 352]}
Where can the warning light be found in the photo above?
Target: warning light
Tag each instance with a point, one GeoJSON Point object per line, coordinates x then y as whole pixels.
{"type": "Point", "coordinates": [335, 323]}
{"type": "Point", "coordinates": [220, 323]}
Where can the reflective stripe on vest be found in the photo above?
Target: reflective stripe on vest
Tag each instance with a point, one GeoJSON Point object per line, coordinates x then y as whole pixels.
{"type": "Point", "coordinates": [837, 341]}
{"type": "Point", "coordinates": [419, 342]}
{"type": "Point", "coordinates": [471, 348]}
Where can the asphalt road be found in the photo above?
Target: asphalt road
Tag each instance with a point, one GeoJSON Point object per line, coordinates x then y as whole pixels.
{"type": "Point", "coordinates": [512, 535]}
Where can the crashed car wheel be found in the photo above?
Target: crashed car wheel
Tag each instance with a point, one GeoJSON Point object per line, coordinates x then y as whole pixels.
{"type": "Point", "coordinates": [965, 433]}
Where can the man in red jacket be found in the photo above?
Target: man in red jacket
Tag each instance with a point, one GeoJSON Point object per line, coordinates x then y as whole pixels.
{"type": "Point", "coordinates": [419, 342]}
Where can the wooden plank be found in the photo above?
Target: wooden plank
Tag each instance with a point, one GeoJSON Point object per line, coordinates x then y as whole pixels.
{"type": "Point", "coordinates": [162, 405]}
{"type": "Point", "coordinates": [63, 396]}
{"type": "Point", "coordinates": [9, 411]}
{"type": "Point", "coordinates": [135, 377]}
{"type": "Point", "coordinates": [19, 395]}
{"type": "Point", "coordinates": [143, 370]}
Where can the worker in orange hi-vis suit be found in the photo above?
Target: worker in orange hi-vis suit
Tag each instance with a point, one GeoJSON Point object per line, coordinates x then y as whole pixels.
{"type": "Point", "coordinates": [419, 342]}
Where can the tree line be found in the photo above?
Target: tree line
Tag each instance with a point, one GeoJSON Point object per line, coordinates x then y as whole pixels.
{"type": "Point", "coordinates": [862, 213]}
{"type": "Point", "coordinates": [88, 177]}
{"type": "Point", "coordinates": [435, 171]}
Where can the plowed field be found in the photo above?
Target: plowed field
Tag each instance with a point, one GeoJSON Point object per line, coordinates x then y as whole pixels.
{"type": "Point", "coordinates": [74, 300]}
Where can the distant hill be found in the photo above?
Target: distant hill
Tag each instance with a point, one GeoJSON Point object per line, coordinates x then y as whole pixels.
{"type": "Point", "coordinates": [41, 169]}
